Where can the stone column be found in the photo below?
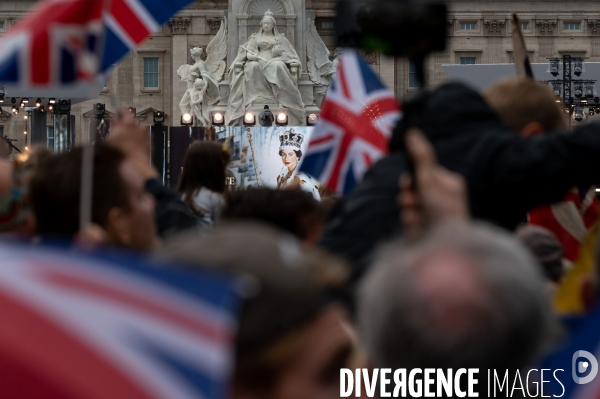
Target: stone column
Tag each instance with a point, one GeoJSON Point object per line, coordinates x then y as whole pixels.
{"type": "Point", "coordinates": [387, 71]}
{"type": "Point", "coordinates": [242, 32]}
{"type": "Point", "coordinates": [289, 33]}
{"type": "Point", "coordinates": [180, 57]}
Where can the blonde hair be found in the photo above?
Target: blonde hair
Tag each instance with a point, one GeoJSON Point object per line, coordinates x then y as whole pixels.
{"type": "Point", "coordinates": [519, 102]}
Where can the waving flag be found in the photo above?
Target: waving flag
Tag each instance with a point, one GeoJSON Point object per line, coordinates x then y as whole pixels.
{"type": "Point", "coordinates": [355, 125]}
{"type": "Point", "coordinates": [77, 327]}
{"type": "Point", "coordinates": [65, 46]}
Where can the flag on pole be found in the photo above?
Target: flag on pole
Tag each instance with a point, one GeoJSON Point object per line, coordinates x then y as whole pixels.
{"type": "Point", "coordinates": [79, 326]}
{"type": "Point", "coordinates": [64, 47]}
{"type": "Point", "coordinates": [357, 118]}
{"type": "Point", "coordinates": [522, 64]}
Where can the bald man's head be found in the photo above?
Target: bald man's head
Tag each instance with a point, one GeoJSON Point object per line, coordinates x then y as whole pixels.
{"type": "Point", "coordinates": [463, 296]}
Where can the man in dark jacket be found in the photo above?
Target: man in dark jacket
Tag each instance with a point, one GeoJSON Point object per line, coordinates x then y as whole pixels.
{"type": "Point", "coordinates": [506, 175]}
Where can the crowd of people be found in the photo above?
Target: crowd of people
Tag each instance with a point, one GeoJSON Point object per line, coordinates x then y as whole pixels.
{"type": "Point", "coordinates": [431, 262]}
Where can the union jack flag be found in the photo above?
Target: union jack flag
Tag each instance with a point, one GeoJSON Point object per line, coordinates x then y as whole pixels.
{"type": "Point", "coordinates": [64, 47]}
{"type": "Point", "coordinates": [355, 125]}
{"type": "Point", "coordinates": [570, 220]}
{"type": "Point", "coordinates": [76, 326]}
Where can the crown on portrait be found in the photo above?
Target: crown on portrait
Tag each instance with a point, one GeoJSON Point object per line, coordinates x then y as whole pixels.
{"type": "Point", "coordinates": [290, 140]}
{"type": "Point", "coordinates": [269, 13]}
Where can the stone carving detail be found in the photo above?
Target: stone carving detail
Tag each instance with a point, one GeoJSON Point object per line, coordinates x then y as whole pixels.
{"type": "Point", "coordinates": [213, 24]}
{"type": "Point", "coordinates": [371, 57]}
{"type": "Point", "coordinates": [546, 47]}
{"type": "Point", "coordinates": [450, 27]}
{"type": "Point", "coordinates": [179, 25]}
{"type": "Point", "coordinates": [203, 77]}
{"type": "Point", "coordinates": [594, 26]}
{"type": "Point", "coordinates": [545, 27]}
{"type": "Point", "coordinates": [259, 7]}
{"type": "Point", "coordinates": [494, 26]}
{"type": "Point", "coordinates": [290, 31]}
{"type": "Point", "coordinates": [4, 116]}
{"type": "Point", "coordinates": [320, 68]}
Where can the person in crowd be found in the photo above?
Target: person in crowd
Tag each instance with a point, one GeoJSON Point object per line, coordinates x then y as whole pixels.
{"type": "Point", "coordinates": [292, 339]}
{"type": "Point", "coordinates": [16, 215]}
{"type": "Point", "coordinates": [528, 108]}
{"type": "Point", "coordinates": [121, 206]}
{"type": "Point", "coordinates": [506, 175]}
{"type": "Point", "coordinates": [461, 296]}
{"type": "Point", "coordinates": [546, 248]}
{"type": "Point", "coordinates": [294, 211]}
{"type": "Point", "coordinates": [202, 182]}
{"type": "Point", "coordinates": [451, 294]}
{"type": "Point", "coordinates": [171, 213]}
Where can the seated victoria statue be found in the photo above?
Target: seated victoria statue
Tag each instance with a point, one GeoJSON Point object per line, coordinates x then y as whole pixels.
{"type": "Point", "coordinates": [263, 72]}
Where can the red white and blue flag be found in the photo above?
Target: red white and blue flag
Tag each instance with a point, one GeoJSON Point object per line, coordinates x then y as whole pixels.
{"type": "Point", "coordinates": [76, 326]}
{"type": "Point", "coordinates": [65, 47]}
{"type": "Point", "coordinates": [355, 125]}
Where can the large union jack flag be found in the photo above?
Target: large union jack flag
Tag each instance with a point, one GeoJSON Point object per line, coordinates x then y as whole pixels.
{"type": "Point", "coordinates": [76, 326]}
{"type": "Point", "coordinates": [64, 46]}
{"type": "Point", "coordinates": [355, 125]}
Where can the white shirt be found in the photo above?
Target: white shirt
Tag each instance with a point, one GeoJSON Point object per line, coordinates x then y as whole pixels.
{"type": "Point", "coordinates": [210, 204]}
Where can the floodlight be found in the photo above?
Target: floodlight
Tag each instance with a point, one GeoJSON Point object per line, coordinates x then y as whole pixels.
{"type": "Point", "coordinates": [218, 119]}
{"type": "Point", "coordinates": [249, 119]}
{"type": "Point", "coordinates": [282, 119]}
{"type": "Point", "coordinates": [187, 119]}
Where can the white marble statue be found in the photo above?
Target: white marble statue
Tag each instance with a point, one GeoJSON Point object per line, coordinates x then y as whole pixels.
{"type": "Point", "coordinates": [209, 71]}
{"type": "Point", "coordinates": [320, 67]}
{"type": "Point", "coordinates": [265, 70]}
{"type": "Point", "coordinates": [197, 98]}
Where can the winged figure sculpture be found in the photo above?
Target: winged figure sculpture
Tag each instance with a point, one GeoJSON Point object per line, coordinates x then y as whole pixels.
{"type": "Point", "coordinates": [321, 67]}
{"type": "Point", "coordinates": [208, 68]}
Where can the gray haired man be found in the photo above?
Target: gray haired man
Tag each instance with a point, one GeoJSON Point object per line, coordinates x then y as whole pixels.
{"type": "Point", "coordinates": [462, 296]}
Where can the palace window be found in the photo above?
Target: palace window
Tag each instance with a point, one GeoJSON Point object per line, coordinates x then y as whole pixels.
{"type": "Point", "coordinates": [468, 26]}
{"type": "Point", "coordinates": [572, 26]}
{"type": "Point", "coordinates": [151, 72]}
{"type": "Point", "coordinates": [525, 26]}
{"type": "Point", "coordinates": [413, 81]}
{"type": "Point", "coordinates": [467, 60]}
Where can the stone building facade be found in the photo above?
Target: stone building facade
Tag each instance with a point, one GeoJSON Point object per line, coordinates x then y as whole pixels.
{"type": "Point", "coordinates": [478, 32]}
